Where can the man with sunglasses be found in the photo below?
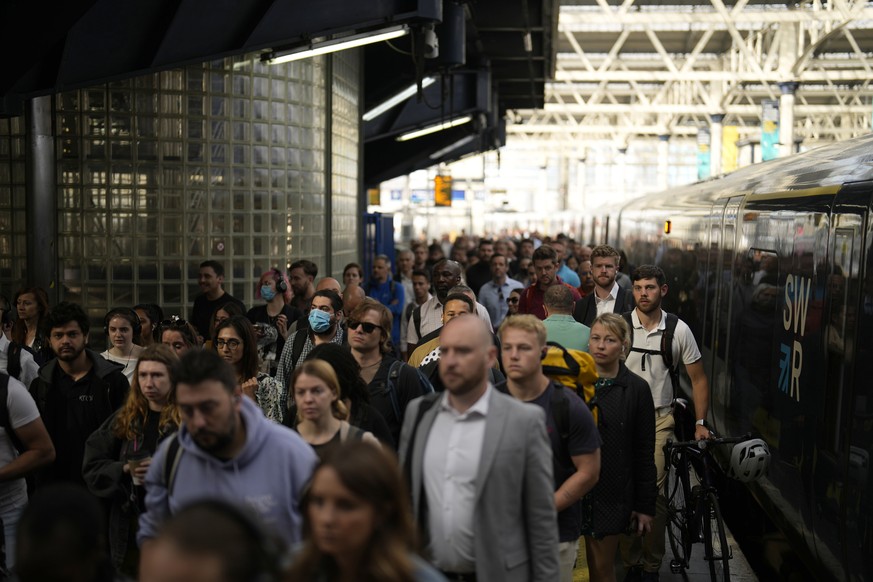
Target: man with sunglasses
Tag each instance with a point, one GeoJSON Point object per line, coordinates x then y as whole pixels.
{"type": "Point", "coordinates": [392, 384]}
{"type": "Point", "coordinates": [493, 294]}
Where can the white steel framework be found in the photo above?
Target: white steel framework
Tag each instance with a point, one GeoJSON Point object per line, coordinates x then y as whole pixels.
{"type": "Point", "coordinates": [629, 69]}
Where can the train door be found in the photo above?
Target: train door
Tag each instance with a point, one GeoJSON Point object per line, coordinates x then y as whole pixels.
{"type": "Point", "coordinates": [841, 486]}
{"type": "Point", "coordinates": [723, 234]}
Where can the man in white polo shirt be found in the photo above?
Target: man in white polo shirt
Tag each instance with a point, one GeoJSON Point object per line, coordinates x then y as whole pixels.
{"type": "Point", "coordinates": [642, 557]}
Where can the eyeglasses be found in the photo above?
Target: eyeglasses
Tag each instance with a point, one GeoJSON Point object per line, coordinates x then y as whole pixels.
{"type": "Point", "coordinates": [367, 326]}
{"type": "Point", "coordinates": [231, 344]}
{"type": "Point", "coordinates": [512, 300]}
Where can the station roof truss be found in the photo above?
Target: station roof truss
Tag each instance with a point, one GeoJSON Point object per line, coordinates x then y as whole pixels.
{"type": "Point", "coordinates": [627, 69]}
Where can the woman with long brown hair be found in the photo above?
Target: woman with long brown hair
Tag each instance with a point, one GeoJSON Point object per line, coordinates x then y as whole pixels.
{"type": "Point", "coordinates": [357, 523]}
{"type": "Point", "coordinates": [235, 341]}
{"type": "Point", "coordinates": [31, 305]}
{"type": "Point", "coordinates": [118, 454]}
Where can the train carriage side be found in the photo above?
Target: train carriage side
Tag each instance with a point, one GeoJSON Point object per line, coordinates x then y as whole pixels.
{"type": "Point", "coordinates": [771, 268]}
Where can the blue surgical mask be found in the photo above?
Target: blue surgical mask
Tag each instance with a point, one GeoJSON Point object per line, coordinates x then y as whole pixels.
{"type": "Point", "coordinates": [267, 292]}
{"type": "Point", "coordinates": [319, 320]}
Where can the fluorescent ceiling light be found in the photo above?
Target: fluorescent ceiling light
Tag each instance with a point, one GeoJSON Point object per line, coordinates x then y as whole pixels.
{"type": "Point", "coordinates": [335, 44]}
{"type": "Point", "coordinates": [396, 99]}
{"type": "Point", "coordinates": [461, 142]}
{"type": "Point", "coordinates": [434, 128]}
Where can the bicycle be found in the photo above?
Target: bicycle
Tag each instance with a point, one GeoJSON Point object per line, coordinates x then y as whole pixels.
{"type": "Point", "coordinates": [693, 511]}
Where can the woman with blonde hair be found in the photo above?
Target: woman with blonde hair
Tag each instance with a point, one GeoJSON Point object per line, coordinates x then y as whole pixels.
{"type": "Point", "coordinates": [322, 417]}
{"type": "Point", "coordinates": [357, 523]}
{"type": "Point", "coordinates": [118, 454]}
{"type": "Point", "coordinates": [623, 501]}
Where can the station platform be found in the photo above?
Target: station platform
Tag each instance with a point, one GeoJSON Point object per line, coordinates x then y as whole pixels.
{"type": "Point", "coordinates": [698, 569]}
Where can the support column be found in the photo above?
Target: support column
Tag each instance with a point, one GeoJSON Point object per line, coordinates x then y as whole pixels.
{"type": "Point", "coordinates": [41, 198]}
{"type": "Point", "coordinates": [786, 118]}
{"type": "Point", "coordinates": [715, 135]}
{"type": "Point", "coordinates": [663, 157]}
{"type": "Point", "coordinates": [622, 173]}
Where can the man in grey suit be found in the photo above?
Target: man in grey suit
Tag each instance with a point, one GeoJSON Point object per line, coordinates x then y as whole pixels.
{"type": "Point", "coordinates": [480, 468]}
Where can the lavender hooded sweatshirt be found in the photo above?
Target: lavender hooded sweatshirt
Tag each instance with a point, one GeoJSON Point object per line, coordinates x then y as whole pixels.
{"type": "Point", "coordinates": [267, 477]}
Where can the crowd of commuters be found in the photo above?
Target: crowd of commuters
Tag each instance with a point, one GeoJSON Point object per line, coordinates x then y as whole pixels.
{"type": "Point", "coordinates": [400, 425]}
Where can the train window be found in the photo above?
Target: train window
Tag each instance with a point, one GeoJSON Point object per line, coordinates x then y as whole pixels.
{"type": "Point", "coordinates": [755, 316]}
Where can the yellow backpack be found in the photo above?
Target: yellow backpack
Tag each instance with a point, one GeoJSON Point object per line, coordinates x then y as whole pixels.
{"type": "Point", "coordinates": [574, 369]}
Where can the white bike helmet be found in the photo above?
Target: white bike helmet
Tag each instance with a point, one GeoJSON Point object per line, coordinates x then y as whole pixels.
{"type": "Point", "coordinates": [749, 460]}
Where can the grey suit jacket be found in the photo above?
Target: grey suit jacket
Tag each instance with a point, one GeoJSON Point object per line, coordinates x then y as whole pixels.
{"type": "Point", "coordinates": [516, 528]}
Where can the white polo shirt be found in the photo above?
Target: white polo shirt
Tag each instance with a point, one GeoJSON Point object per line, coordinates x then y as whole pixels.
{"type": "Point", "coordinates": [655, 373]}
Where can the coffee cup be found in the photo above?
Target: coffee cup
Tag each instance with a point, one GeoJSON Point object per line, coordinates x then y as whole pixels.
{"type": "Point", "coordinates": [134, 460]}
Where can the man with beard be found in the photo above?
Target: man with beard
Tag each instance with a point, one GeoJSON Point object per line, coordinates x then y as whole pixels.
{"type": "Point", "coordinates": [75, 392]}
{"type": "Point", "coordinates": [325, 326]}
{"type": "Point", "coordinates": [301, 275]}
{"type": "Point", "coordinates": [211, 280]}
{"type": "Point", "coordinates": [608, 296]}
{"type": "Point", "coordinates": [226, 449]}
{"type": "Point", "coordinates": [428, 316]}
{"type": "Point", "coordinates": [642, 556]}
{"type": "Point", "coordinates": [545, 261]}
{"type": "Point", "coordinates": [480, 469]}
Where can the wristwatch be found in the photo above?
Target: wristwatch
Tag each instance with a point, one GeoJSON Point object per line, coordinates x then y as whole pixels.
{"type": "Point", "coordinates": [701, 422]}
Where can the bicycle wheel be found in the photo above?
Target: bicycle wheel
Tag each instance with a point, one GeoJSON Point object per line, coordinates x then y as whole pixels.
{"type": "Point", "coordinates": [716, 548]}
{"type": "Point", "coordinates": [677, 493]}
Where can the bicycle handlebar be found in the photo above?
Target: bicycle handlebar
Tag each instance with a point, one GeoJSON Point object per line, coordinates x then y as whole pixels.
{"type": "Point", "coordinates": [704, 443]}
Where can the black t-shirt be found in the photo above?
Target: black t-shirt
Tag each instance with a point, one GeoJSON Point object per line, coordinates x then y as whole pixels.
{"type": "Point", "coordinates": [204, 308]}
{"type": "Point", "coordinates": [478, 275]}
{"type": "Point", "coordinates": [583, 439]}
{"type": "Point", "coordinates": [407, 386]}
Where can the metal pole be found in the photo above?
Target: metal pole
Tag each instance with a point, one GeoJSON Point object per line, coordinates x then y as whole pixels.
{"type": "Point", "coordinates": [41, 197]}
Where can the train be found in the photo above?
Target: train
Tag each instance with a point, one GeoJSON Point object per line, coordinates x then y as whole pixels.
{"type": "Point", "coordinates": [772, 268]}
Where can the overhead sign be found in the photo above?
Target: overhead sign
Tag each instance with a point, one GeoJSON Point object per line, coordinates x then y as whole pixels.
{"type": "Point", "coordinates": [442, 191]}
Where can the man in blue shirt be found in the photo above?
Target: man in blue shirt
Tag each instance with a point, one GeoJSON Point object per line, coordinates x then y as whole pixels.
{"type": "Point", "coordinates": [493, 294]}
{"type": "Point", "coordinates": [566, 274]}
{"type": "Point", "coordinates": [388, 292]}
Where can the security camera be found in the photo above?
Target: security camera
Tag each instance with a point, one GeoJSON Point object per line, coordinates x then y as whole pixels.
{"type": "Point", "coordinates": [431, 43]}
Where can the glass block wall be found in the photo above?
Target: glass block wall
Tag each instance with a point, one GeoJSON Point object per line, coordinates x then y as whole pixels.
{"type": "Point", "coordinates": [224, 160]}
{"type": "Point", "coordinates": [13, 224]}
{"type": "Point", "coordinates": [344, 157]}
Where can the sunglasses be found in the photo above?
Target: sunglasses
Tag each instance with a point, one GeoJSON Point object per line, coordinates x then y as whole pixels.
{"type": "Point", "coordinates": [365, 325]}
{"type": "Point", "coordinates": [512, 300]}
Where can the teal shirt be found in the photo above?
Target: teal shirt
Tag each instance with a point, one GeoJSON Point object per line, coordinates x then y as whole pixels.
{"type": "Point", "coordinates": [568, 332]}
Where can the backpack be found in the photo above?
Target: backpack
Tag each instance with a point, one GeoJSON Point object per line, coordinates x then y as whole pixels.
{"type": "Point", "coordinates": [171, 462]}
{"type": "Point", "coordinates": [13, 361]}
{"type": "Point", "coordinates": [391, 386]}
{"type": "Point", "coordinates": [575, 370]}
{"type": "Point", "coordinates": [416, 320]}
{"type": "Point", "coordinates": [666, 348]}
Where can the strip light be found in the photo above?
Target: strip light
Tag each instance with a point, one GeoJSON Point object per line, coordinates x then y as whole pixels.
{"type": "Point", "coordinates": [396, 99]}
{"type": "Point", "coordinates": [335, 44]}
{"type": "Point", "coordinates": [435, 128]}
{"type": "Point", "coordinates": [452, 147]}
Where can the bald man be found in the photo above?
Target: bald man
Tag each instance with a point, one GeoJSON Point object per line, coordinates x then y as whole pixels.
{"type": "Point", "coordinates": [352, 297]}
{"type": "Point", "coordinates": [481, 463]}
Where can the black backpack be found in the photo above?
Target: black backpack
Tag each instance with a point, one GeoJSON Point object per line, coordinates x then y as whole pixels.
{"type": "Point", "coordinates": [666, 348]}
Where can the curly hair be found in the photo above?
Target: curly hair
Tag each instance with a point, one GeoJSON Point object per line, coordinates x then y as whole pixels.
{"type": "Point", "coordinates": [132, 415]}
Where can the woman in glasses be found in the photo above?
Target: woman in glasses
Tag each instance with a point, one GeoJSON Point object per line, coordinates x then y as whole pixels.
{"type": "Point", "coordinates": [321, 414]}
{"type": "Point", "coordinates": [179, 334]}
{"type": "Point", "coordinates": [235, 342]}
{"type": "Point", "coordinates": [221, 314]}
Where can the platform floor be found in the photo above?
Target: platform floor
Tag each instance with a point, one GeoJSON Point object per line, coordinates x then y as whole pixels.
{"type": "Point", "coordinates": [698, 569]}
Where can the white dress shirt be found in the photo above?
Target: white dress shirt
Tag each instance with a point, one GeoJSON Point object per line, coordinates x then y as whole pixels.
{"type": "Point", "coordinates": [608, 304]}
{"type": "Point", "coordinates": [451, 464]}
